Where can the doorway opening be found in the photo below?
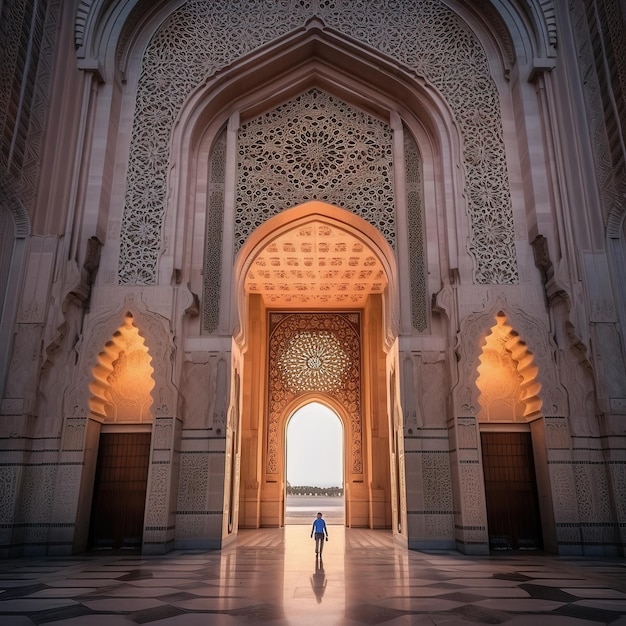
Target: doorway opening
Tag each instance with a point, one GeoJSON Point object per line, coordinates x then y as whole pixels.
{"type": "Point", "coordinates": [511, 491]}
{"type": "Point", "coordinates": [314, 451]}
{"type": "Point", "coordinates": [119, 498]}
{"type": "Point", "coordinates": [121, 428]}
{"type": "Point", "coordinates": [317, 323]}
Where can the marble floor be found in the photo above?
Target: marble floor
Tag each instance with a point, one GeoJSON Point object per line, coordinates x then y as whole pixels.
{"type": "Point", "coordinates": [272, 577]}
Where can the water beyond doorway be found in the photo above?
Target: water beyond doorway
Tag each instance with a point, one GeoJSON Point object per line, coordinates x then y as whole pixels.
{"type": "Point", "coordinates": [303, 509]}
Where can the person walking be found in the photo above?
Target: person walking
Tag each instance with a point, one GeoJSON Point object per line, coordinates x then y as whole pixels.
{"type": "Point", "coordinates": [319, 529]}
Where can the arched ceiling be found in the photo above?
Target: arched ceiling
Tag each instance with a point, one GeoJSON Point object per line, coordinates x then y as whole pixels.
{"type": "Point", "coordinates": [316, 264]}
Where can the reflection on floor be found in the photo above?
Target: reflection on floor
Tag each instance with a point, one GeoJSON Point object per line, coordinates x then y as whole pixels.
{"type": "Point", "coordinates": [273, 577]}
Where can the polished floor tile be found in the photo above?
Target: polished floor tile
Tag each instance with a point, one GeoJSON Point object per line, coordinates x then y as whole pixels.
{"type": "Point", "coordinates": [272, 577]}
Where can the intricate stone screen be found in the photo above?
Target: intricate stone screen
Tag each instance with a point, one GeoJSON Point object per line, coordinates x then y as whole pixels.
{"type": "Point", "coordinates": [419, 293]}
{"type": "Point", "coordinates": [313, 361]}
{"type": "Point", "coordinates": [314, 352]}
{"type": "Point", "coordinates": [315, 147]}
{"type": "Point", "coordinates": [214, 234]}
{"type": "Point", "coordinates": [426, 36]}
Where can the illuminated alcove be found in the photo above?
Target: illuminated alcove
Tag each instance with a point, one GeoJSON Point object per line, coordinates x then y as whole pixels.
{"type": "Point", "coordinates": [122, 378]}
{"type": "Point", "coordinates": [507, 376]}
{"type": "Point", "coordinates": [115, 479]}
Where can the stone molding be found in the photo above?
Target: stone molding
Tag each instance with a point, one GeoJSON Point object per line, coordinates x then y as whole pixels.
{"type": "Point", "coordinates": [431, 42]}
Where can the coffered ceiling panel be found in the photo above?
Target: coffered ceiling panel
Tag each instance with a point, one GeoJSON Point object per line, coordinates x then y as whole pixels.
{"type": "Point", "coordinates": [316, 265]}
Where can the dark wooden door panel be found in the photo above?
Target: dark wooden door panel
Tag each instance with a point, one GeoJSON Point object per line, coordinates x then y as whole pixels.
{"type": "Point", "coordinates": [120, 491]}
{"type": "Point", "coordinates": [511, 491]}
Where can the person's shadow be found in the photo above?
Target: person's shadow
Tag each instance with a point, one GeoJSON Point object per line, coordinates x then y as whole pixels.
{"type": "Point", "coordinates": [318, 580]}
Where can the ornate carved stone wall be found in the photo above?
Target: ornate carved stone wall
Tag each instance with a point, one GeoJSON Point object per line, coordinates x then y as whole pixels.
{"type": "Point", "coordinates": [426, 36]}
{"type": "Point", "coordinates": [415, 232]}
{"type": "Point", "coordinates": [315, 147]}
{"type": "Point", "coordinates": [314, 352]}
{"type": "Point", "coordinates": [214, 234]}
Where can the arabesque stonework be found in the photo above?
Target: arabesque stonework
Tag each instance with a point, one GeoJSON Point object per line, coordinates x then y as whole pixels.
{"type": "Point", "coordinates": [215, 212]}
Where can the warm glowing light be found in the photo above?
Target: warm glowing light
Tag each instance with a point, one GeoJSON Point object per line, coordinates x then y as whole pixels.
{"type": "Point", "coordinates": [507, 376]}
{"type": "Point", "coordinates": [123, 378]}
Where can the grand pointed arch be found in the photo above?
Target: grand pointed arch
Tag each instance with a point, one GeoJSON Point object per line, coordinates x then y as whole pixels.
{"type": "Point", "coordinates": [406, 85]}
{"type": "Point", "coordinates": [311, 58]}
{"type": "Point", "coordinates": [317, 316]}
{"type": "Point", "coordinates": [316, 214]}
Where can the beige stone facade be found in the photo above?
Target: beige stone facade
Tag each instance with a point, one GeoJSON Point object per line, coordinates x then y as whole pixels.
{"type": "Point", "coordinates": [213, 213]}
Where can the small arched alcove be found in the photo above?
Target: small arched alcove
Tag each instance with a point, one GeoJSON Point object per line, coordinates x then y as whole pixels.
{"type": "Point", "coordinates": [508, 401]}
{"type": "Point", "coordinates": [120, 402]}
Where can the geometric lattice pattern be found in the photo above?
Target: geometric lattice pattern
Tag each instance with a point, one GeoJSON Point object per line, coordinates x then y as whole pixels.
{"type": "Point", "coordinates": [425, 36]}
{"type": "Point", "coordinates": [214, 235]}
{"type": "Point", "coordinates": [414, 209]}
{"type": "Point", "coordinates": [314, 352]}
{"type": "Point", "coordinates": [313, 361]}
{"type": "Point", "coordinates": [315, 147]}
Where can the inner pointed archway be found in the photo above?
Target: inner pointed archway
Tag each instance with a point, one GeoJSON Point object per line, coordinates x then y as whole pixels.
{"type": "Point", "coordinates": [317, 305]}
{"type": "Point", "coordinates": [317, 263]}
{"type": "Point", "coordinates": [314, 465]}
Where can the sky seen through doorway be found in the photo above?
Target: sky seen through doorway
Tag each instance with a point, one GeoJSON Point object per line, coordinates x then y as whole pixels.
{"type": "Point", "coordinates": [315, 447]}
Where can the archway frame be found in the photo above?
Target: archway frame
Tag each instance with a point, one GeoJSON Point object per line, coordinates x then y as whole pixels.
{"type": "Point", "coordinates": [81, 427]}
{"type": "Point", "coordinates": [327, 401]}
{"type": "Point", "coordinates": [547, 423]}
{"type": "Point", "coordinates": [315, 58]}
{"type": "Point", "coordinates": [375, 348]}
{"type": "Point", "coordinates": [317, 212]}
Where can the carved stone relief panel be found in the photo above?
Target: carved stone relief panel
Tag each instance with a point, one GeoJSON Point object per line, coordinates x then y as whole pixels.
{"type": "Point", "coordinates": [617, 473]}
{"type": "Point", "coordinates": [415, 210]}
{"type": "Point", "coordinates": [425, 36]}
{"type": "Point", "coordinates": [8, 493]}
{"type": "Point", "coordinates": [563, 492]}
{"type": "Point", "coordinates": [193, 483]}
{"type": "Point", "coordinates": [158, 494]}
{"type": "Point", "coordinates": [557, 434]}
{"type": "Point", "coordinates": [214, 234]}
{"type": "Point", "coordinates": [36, 493]}
{"type": "Point", "coordinates": [314, 352]}
{"type": "Point", "coordinates": [162, 435]}
{"type": "Point", "coordinates": [473, 499]}
{"type": "Point", "coordinates": [67, 487]}
{"type": "Point", "coordinates": [315, 147]}
{"type": "Point", "coordinates": [467, 434]}
{"type": "Point", "coordinates": [437, 482]}
{"type": "Point", "coordinates": [205, 392]}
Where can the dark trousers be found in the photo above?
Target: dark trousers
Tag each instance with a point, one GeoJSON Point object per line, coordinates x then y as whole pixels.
{"type": "Point", "coordinates": [319, 542]}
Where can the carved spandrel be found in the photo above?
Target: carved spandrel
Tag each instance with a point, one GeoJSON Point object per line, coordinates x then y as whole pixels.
{"type": "Point", "coordinates": [460, 72]}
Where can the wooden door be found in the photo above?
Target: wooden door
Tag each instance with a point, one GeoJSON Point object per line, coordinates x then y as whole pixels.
{"type": "Point", "coordinates": [119, 491]}
{"type": "Point", "coordinates": [511, 491]}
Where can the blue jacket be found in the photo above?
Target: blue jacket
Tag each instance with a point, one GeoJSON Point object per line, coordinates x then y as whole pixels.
{"type": "Point", "coordinates": [319, 526]}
